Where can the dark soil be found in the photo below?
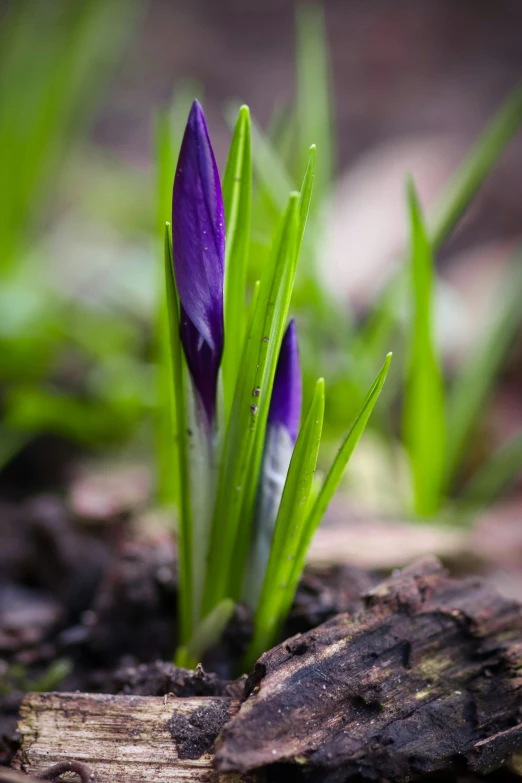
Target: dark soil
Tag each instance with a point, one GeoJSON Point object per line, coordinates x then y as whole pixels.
{"type": "Point", "coordinates": [195, 735]}
{"type": "Point", "coordinates": [93, 608]}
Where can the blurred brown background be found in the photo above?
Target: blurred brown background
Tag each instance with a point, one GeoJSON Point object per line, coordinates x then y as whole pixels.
{"type": "Point", "coordinates": [399, 69]}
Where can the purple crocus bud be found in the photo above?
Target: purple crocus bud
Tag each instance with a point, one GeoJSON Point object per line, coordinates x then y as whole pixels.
{"type": "Point", "coordinates": [281, 434]}
{"type": "Point", "coordinates": [198, 239]}
{"type": "Point", "coordinates": [285, 405]}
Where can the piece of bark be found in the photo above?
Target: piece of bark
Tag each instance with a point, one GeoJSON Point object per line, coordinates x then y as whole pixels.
{"type": "Point", "coordinates": [124, 738]}
{"type": "Point", "coordinates": [427, 678]}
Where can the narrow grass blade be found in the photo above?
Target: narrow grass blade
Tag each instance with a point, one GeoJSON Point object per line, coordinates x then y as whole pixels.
{"type": "Point", "coordinates": [274, 179]}
{"type": "Point", "coordinates": [475, 168]}
{"type": "Point", "coordinates": [450, 207]}
{"type": "Point", "coordinates": [52, 677]}
{"type": "Point", "coordinates": [269, 170]}
{"type": "Point", "coordinates": [243, 541]}
{"type": "Point", "coordinates": [277, 454]}
{"type": "Point", "coordinates": [186, 606]}
{"type": "Point", "coordinates": [338, 467]}
{"type": "Point", "coordinates": [473, 385]}
{"type": "Point", "coordinates": [201, 474]}
{"type": "Point", "coordinates": [288, 530]}
{"type": "Point", "coordinates": [237, 196]}
{"type": "Point", "coordinates": [166, 155]}
{"type": "Point", "coordinates": [250, 405]}
{"type": "Point", "coordinates": [305, 195]}
{"type": "Point", "coordinates": [282, 132]}
{"type": "Point", "coordinates": [207, 634]}
{"type": "Point", "coordinates": [320, 500]}
{"type": "Point", "coordinates": [168, 489]}
{"type": "Point", "coordinates": [501, 470]}
{"type": "Point", "coordinates": [314, 95]}
{"type": "Point", "coordinates": [424, 426]}
{"type": "Point", "coordinates": [72, 48]}
{"type": "Point", "coordinates": [273, 183]}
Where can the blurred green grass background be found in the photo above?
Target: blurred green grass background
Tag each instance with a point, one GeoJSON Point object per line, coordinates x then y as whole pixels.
{"type": "Point", "coordinates": [88, 140]}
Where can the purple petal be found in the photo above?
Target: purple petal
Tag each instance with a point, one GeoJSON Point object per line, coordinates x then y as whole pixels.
{"type": "Point", "coordinates": [285, 405]}
{"type": "Point", "coordinates": [203, 364]}
{"type": "Point", "coordinates": [198, 238]}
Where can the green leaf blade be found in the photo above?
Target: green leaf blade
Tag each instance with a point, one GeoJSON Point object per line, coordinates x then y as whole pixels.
{"type": "Point", "coordinates": [338, 467]}
{"type": "Point", "coordinates": [477, 165]}
{"type": "Point", "coordinates": [249, 410]}
{"type": "Point", "coordinates": [452, 204]}
{"type": "Point", "coordinates": [207, 634]}
{"type": "Point", "coordinates": [499, 471]}
{"type": "Point", "coordinates": [305, 194]}
{"type": "Point", "coordinates": [244, 533]}
{"type": "Point", "coordinates": [274, 180]}
{"type": "Point", "coordinates": [237, 197]}
{"type": "Point", "coordinates": [180, 444]}
{"type": "Point", "coordinates": [314, 94]}
{"type": "Point", "coordinates": [475, 380]}
{"type": "Point", "coordinates": [168, 489]}
{"type": "Point", "coordinates": [288, 530]}
{"type": "Point", "coordinates": [424, 424]}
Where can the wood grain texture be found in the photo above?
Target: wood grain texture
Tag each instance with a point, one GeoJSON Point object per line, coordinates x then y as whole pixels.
{"type": "Point", "coordinates": [426, 678]}
{"type": "Point", "coordinates": [124, 738]}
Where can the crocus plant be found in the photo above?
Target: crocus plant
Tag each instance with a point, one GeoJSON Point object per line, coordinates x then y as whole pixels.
{"type": "Point", "coordinates": [248, 502]}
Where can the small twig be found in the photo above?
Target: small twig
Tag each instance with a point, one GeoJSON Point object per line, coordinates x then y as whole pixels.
{"type": "Point", "coordinates": [84, 772]}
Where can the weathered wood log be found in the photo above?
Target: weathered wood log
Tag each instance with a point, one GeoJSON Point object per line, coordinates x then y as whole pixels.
{"type": "Point", "coordinates": [124, 738]}
{"type": "Point", "coordinates": [427, 678]}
